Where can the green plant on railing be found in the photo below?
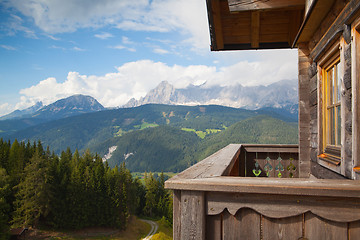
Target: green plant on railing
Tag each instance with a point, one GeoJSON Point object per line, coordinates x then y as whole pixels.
{"type": "Point", "coordinates": [291, 167]}
{"type": "Point", "coordinates": [268, 167]}
{"type": "Point", "coordinates": [256, 170]}
{"type": "Point", "coordinates": [279, 167]}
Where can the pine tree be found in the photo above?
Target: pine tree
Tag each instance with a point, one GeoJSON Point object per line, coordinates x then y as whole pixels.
{"type": "Point", "coordinates": [4, 153]}
{"type": "Point", "coordinates": [60, 210]}
{"type": "Point", "coordinates": [34, 192]}
{"type": "Point", "coordinates": [151, 196]}
{"type": "Point", "coordinates": [16, 161]}
{"type": "Point", "coordinates": [4, 206]}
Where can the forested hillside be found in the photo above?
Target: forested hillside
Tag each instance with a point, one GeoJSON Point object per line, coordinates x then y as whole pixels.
{"type": "Point", "coordinates": [86, 130]}
{"type": "Point", "coordinates": [166, 148]}
{"type": "Point", "coordinates": [72, 191]}
{"type": "Point", "coordinates": [156, 149]}
{"type": "Point", "coordinates": [161, 137]}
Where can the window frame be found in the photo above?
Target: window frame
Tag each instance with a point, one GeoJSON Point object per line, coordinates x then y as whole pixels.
{"type": "Point", "coordinates": [330, 155]}
{"type": "Point", "coordinates": [331, 102]}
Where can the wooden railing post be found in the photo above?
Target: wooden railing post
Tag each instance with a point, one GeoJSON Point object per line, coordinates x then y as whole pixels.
{"type": "Point", "coordinates": [193, 215]}
{"type": "Point", "coordinates": [177, 215]}
{"type": "Point", "coordinates": [304, 113]}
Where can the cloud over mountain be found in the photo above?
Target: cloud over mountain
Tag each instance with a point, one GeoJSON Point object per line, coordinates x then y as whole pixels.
{"type": "Point", "coordinates": [136, 79]}
{"type": "Point", "coordinates": [282, 94]}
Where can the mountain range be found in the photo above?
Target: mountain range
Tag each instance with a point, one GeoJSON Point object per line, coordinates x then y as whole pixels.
{"type": "Point", "coordinates": [37, 114]}
{"type": "Point", "coordinates": [281, 94]}
{"type": "Point", "coordinates": [155, 137]}
{"type": "Point", "coordinates": [66, 107]}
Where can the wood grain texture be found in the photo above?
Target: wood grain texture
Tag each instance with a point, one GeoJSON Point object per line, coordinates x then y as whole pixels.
{"type": "Point", "coordinates": [231, 226]}
{"type": "Point", "coordinates": [216, 13]}
{"type": "Point", "coordinates": [335, 29]}
{"type": "Point", "coordinates": [214, 227]}
{"type": "Point", "coordinates": [355, 53]}
{"type": "Point", "coordinates": [277, 148]}
{"type": "Point", "coordinates": [250, 225]}
{"type": "Point", "coordinates": [354, 230]}
{"type": "Point", "coordinates": [304, 112]}
{"type": "Point", "coordinates": [282, 186]}
{"type": "Point", "coordinates": [215, 165]}
{"type": "Point", "coordinates": [238, 5]}
{"type": "Point", "coordinates": [177, 215]}
{"type": "Point", "coordinates": [278, 206]}
{"type": "Point", "coordinates": [255, 29]}
{"type": "Point", "coordinates": [192, 215]}
{"type": "Point", "coordinates": [282, 229]}
{"type": "Point", "coordinates": [317, 228]}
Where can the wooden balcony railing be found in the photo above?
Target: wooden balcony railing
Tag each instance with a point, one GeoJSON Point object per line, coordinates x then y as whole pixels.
{"type": "Point", "coordinates": [218, 198]}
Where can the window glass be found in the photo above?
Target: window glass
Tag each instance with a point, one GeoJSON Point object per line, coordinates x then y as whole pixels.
{"type": "Point", "coordinates": [332, 108]}
{"type": "Point", "coordinates": [339, 89]}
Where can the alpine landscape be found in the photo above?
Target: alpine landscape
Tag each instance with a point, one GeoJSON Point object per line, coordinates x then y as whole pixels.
{"type": "Point", "coordinates": [141, 143]}
{"type": "Point", "coordinates": [167, 130]}
{"type": "Point", "coordinates": [103, 103]}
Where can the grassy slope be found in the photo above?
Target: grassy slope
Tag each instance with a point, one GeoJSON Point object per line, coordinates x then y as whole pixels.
{"type": "Point", "coordinates": [136, 230]}
{"type": "Point", "coordinates": [167, 148]}
{"type": "Point", "coordinates": [87, 130]}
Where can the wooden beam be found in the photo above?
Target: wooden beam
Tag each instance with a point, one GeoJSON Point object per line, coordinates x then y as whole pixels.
{"type": "Point", "coordinates": [246, 5]}
{"type": "Point", "coordinates": [304, 111]}
{"type": "Point", "coordinates": [336, 28]}
{"type": "Point", "coordinates": [216, 12]}
{"type": "Point", "coordinates": [294, 25]}
{"type": "Point", "coordinates": [272, 205]}
{"type": "Point", "coordinates": [255, 29]}
{"type": "Point", "coordinates": [193, 215]}
{"type": "Point", "coordinates": [282, 186]}
{"type": "Point", "coordinates": [355, 79]}
{"type": "Point", "coordinates": [177, 215]}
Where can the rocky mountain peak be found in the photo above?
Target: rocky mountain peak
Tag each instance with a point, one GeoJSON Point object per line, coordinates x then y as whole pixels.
{"type": "Point", "coordinates": [280, 95]}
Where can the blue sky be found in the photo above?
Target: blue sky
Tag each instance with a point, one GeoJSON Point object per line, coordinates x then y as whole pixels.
{"type": "Point", "coordinates": [115, 50]}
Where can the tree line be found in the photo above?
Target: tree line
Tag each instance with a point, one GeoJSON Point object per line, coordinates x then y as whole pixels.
{"type": "Point", "coordinates": [72, 190]}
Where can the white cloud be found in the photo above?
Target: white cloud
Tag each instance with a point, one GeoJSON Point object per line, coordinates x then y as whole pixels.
{"type": "Point", "coordinates": [160, 51]}
{"type": "Point", "coordinates": [104, 35]}
{"type": "Point", "coordinates": [78, 49]}
{"type": "Point", "coordinates": [121, 47]}
{"type": "Point", "coordinates": [15, 24]}
{"type": "Point", "coordinates": [5, 108]}
{"type": "Point", "coordinates": [126, 40]}
{"type": "Point", "coordinates": [60, 16]}
{"type": "Point", "coordinates": [52, 37]}
{"type": "Point", "coordinates": [57, 16]}
{"type": "Point", "coordinates": [57, 47]}
{"type": "Point", "coordinates": [7, 47]}
{"type": "Point", "coordinates": [135, 79]}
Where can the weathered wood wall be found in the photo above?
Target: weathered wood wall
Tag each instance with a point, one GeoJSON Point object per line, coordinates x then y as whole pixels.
{"type": "Point", "coordinates": [334, 29]}
{"type": "Point", "coordinates": [248, 224]}
{"type": "Point", "coordinates": [234, 215]}
{"type": "Point", "coordinates": [304, 111]}
{"type": "Point", "coordinates": [211, 204]}
{"type": "Point", "coordinates": [355, 52]}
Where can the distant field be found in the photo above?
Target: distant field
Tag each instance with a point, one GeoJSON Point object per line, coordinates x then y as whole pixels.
{"type": "Point", "coordinates": [145, 125]}
{"type": "Point", "coordinates": [201, 134]}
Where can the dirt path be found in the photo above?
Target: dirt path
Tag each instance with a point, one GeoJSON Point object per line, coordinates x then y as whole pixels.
{"type": "Point", "coordinates": [154, 228]}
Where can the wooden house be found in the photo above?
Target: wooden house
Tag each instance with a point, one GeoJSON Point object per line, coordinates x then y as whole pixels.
{"type": "Point", "coordinates": [305, 191]}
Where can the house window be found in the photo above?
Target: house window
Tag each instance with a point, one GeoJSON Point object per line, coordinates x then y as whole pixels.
{"type": "Point", "coordinates": [331, 108]}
